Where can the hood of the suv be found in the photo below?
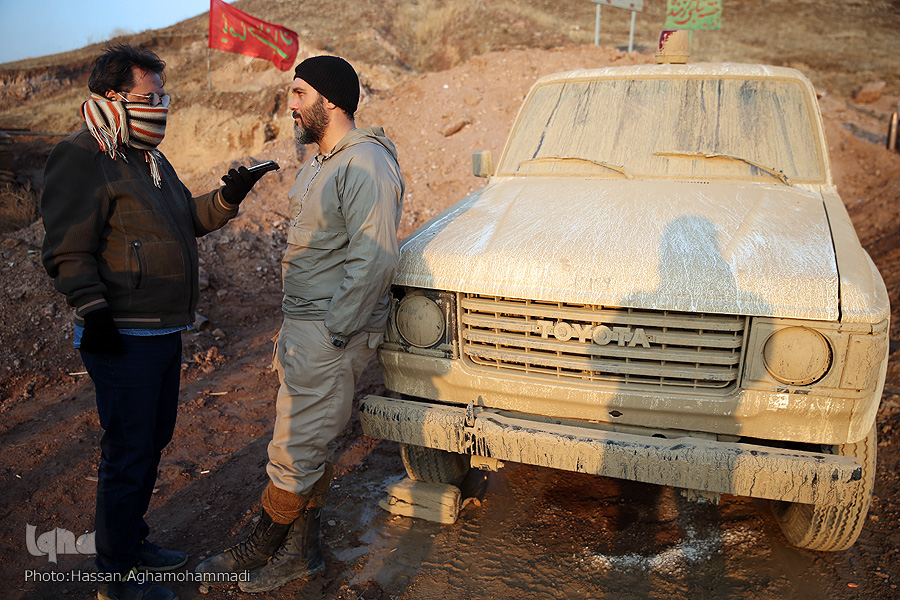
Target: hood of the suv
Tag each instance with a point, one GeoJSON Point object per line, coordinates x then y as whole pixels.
{"type": "Point", "coordinates": [750, 249]}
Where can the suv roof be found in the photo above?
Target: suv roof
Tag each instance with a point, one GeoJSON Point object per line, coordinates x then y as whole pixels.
{"type": "Point", "coordinates": [668, 70]}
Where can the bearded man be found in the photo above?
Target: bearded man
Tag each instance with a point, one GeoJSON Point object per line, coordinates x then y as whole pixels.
{"type": "Point", "coordinates": [120, 244]}
{"type": "Point", "coordinates": [342, 253]}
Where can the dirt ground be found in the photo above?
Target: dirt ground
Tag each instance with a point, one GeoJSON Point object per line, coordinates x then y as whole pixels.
{"type": "Point", "coordinates": [533, 533]}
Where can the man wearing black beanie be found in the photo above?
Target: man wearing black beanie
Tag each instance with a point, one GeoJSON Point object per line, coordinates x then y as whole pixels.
{"type": "Point", "coordinates": [342, 253]}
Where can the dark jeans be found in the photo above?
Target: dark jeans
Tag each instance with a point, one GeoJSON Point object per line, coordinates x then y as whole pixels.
{"type": "Point", "coordinates": [137, 400]}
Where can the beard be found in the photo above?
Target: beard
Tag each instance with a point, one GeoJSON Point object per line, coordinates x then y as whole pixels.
{"type": "Point", "coordinates": [315, 122]}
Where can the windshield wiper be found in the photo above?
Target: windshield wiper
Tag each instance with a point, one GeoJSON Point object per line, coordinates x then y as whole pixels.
{"type": "Point", "coordinates": [776, 173]}
{"type": "Point", "coordinates": [616, 168]}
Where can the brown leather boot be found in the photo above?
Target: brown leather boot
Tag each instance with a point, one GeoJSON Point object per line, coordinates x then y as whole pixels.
{"type": "Point", "coordinates": [299, 556]}
{"type": "Point", "coordinates": [265, 539]}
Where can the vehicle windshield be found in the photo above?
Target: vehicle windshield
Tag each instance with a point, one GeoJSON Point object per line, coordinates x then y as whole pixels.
{"type": "Point", "coordinates": [716, 128]}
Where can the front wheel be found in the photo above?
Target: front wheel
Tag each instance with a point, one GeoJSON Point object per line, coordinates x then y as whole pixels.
{"type": "Point", "coordinates": [831, 528]}
{"type": "Point", "coordinates": [434, 466]}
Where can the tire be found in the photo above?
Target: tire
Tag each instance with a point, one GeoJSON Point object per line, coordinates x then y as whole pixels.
{"type": "Point", "coordinates": [434, 466]}
{"type": "Point", "coordinates": [831, 528]}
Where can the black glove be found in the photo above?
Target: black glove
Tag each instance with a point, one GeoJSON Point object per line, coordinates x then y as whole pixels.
{"type": "Point", "coordinates": [101, 336]}
{"type": "Point", "coordinates": [238, 184]}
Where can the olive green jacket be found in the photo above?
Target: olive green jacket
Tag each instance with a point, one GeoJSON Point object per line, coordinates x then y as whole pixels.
{"type": "Point", "coordinates": [342, 248]}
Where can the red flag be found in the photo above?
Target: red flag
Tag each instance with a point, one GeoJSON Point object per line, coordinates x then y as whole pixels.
{"type": "Point", "coordinates": [232, 30]}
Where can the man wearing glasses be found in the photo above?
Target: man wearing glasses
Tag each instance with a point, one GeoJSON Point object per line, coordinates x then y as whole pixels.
{"type": "Point", "coordinates": [120, 244]}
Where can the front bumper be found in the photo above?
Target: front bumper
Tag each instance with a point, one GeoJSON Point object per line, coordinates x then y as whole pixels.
{"type": "Point", "coordinates": [774, 413]}
{"type": "Point", "coordinates": [685, 462]}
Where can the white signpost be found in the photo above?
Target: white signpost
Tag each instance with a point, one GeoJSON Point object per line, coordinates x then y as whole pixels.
{"type": "Point", "coordinates": [635, 6]}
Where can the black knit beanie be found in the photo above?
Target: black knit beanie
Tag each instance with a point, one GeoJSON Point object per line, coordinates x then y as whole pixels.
{"type": "Point", "coordinates": [334, 78]}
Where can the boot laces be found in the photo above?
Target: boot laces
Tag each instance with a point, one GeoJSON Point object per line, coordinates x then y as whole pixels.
{"type": "Point", "coordinates": [282, 550]}
{"type": "Point", "coordinates": [247, 548]}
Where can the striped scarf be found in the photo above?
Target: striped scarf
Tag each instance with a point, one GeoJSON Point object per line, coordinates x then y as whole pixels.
{"type": "Point", "coordinates": [130, 124]}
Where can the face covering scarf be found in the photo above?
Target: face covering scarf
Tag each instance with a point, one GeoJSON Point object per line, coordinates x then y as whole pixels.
{"type": "Point", "coordinates": [130, 124]}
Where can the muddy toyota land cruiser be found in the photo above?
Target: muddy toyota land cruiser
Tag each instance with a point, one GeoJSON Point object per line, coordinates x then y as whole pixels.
{"type": "Point", "coordinates": [659, 283]}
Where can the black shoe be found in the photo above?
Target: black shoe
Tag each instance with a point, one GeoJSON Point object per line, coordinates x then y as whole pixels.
{"type": "Point", "coordinates": [266, 537]}
{"type": "Point", "coordinates": [155, 559]}
{"type": "Point", "coordinates": [300, 556]}
{"type": "Point", "coordinates": [131, 587]}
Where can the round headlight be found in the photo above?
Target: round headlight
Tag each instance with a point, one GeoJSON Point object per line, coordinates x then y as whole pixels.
{"type": "Point", "coordinates": [797, 355]}
{"type": "Point", "coordinates": [420, 321]}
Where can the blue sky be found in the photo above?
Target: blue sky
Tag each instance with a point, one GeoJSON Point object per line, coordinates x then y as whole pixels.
{"type": "Point", "coordinates": [30, 28]}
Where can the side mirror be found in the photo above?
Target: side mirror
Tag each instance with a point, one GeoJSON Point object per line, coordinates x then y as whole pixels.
{"type": "Point", "coordinates": [482, 164]}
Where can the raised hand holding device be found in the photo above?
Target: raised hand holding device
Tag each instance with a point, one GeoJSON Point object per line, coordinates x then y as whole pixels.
{"type": "Point", "coordinates": [239, 182]}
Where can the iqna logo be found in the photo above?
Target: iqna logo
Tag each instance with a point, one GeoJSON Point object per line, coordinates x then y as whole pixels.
{"type": "Point", "coordinates": [58, 541]}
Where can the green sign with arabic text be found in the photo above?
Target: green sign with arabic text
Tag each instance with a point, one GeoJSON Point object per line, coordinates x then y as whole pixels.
{"type": "Point", "coordinates": [693, 14]}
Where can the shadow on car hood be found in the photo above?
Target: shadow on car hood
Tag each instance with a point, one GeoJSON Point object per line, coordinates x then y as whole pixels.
{"type": "Point", "coordinates": [736, 248]}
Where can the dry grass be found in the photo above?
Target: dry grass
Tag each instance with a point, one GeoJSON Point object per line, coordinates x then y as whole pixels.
{"type": "Point", "coordinates": [425, 24]}
{"type": "Point", "coordinates": [19, 207]}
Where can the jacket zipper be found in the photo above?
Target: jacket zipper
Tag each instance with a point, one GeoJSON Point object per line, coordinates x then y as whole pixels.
{"type": "Point", "coordinates": [308, 185]}
{"type": "Point", "coordinates": [136, 244]}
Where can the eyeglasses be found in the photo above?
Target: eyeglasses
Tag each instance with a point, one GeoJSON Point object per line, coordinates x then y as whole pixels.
{"type": "Point", "coordinates": [153, 99]}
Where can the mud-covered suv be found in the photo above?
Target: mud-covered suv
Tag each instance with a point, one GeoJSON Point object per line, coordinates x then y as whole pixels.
{"type": "Point", "coordinates": [658, 283]}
